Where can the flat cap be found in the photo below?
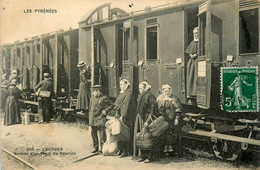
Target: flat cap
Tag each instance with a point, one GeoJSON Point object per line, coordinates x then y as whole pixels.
{"type": "Point", "coordinates": [46, 75]}
{"type": "Point", "coordinates": [96, 87]}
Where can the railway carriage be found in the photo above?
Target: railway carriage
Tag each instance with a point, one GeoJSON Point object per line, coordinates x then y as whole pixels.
{"type": "Point", "coordinates": [149, 45]}
{"type": "Point", "coordinates": [6, 59]}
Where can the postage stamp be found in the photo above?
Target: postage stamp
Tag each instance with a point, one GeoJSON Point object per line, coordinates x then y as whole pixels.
{"type": "Point", "coordinates": [239, 89]}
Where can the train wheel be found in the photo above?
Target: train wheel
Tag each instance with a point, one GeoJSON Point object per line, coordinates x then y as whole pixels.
{"type": "Point", "coordinates": [225, 150]}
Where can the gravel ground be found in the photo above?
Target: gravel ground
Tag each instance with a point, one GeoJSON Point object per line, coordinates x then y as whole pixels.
{"type": "Point", "coordinates": [10, 163]}
{"type": "Point", "coordinates": [58, 145]}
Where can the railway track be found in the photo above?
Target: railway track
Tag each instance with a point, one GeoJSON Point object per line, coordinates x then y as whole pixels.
{"type": "Point", "coordinates": [19, 159]}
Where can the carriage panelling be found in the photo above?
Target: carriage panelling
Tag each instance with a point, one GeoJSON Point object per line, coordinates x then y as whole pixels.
{"type": "Point", "coordinates": [107, 56]}
{"type": "Point", "coordinates": [171, 47]}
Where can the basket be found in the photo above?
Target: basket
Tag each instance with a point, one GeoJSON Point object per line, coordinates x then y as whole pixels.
{"type": "Point", "coordinates": [144, 141]}
{"type": "Point", "coordinates": [158, 126]}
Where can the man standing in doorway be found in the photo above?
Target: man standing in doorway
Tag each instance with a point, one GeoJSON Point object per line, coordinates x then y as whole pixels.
{"type": "Point", "coordinates": [192, 66]}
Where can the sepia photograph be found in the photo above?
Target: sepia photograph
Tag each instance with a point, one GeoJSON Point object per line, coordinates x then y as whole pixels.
{"type": "Point", "coordinates": [128, 84]}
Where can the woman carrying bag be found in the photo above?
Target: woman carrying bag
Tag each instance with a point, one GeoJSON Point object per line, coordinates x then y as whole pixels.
{"type": "Point", "coordinates": [146, 108]}
{"type": "Point", "coordinates": [125, 108]}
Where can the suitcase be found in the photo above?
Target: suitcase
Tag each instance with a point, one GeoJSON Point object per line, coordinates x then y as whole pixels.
{"type": "Point", "coordinates": [158, 126]}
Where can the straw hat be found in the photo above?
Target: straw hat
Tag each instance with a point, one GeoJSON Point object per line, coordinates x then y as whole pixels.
{"type": "Point", "coordinates": [81, 63]}
{"type": "Point", "coordinates": [96, 87]}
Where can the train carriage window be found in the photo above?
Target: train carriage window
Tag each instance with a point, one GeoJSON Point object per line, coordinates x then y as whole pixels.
{"type": "Point", "coordinates": [28, 50]}
{"type": "Point", "coordinates": [18, 52]}
{"type": "Point", "coordinates": [248, 31]}
{"type": "Point", "coordinates": [151, 42]}
{"type": "Point", "coordinates": [38, 48]}
{"type": "Point", "coordinates": [45, 55]}
{"type": "Point", "coordinates": [61, 54]}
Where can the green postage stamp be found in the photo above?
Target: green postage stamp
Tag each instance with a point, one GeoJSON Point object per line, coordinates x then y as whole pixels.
{"type": "Point", "coordinates": [239, 89]}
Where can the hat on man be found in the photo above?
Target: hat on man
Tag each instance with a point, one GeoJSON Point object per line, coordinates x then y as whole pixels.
{"type": "Point", "coordinates": [81, 63]}
{"type": "Point", "coordinates": [96, 87]}
{"type": "Point", "coordinates": [46, 75]}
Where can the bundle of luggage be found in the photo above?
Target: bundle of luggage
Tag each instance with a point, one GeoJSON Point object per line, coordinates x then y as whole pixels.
{"type": "Point", "coordinates": [116, 131]}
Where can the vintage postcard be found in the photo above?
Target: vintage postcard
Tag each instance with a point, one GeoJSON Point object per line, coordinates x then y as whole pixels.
{"type": "Point", "coordinates": [127, 84]}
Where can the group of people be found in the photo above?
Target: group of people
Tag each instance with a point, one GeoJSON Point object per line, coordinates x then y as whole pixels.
{"type": "Point", "coordinates": [11, 92]}
{"type": "Point", "coordinates": [136, 115]}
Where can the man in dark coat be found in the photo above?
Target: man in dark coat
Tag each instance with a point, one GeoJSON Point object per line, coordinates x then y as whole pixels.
{"type": "Point", "coordinates": [44, 107]}
{"type": "Point", "coordinates": [125, 105]}
{"type": "Point", "coordinates": [146, 108]}
{"type": "Point", "coordinates": [192, 51]}
{"type": "Point", "coordinates": [100, 105]}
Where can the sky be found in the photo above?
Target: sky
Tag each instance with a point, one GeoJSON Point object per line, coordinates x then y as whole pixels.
{"type": "Point", "coordinates": [17, 22]}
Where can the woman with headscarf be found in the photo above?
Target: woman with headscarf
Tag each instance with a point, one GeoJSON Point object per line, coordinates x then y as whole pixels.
{"type": "Point", "coordinates": [146, 108]}
{"type": "Point", "coordinates": [84, 88]}
{"type": "Point", "coordinates": [170, 107]}
{"type": "Point", "coordinates": [125, 105]}
{"type": "Point", "coordinates": [14, 75]}
{"type": "Point", "coordinates": [12, 109]}
{"type": "Point", "coordinates": [192, 51]}
{"type": "Point", "coordinates": [4, 92]}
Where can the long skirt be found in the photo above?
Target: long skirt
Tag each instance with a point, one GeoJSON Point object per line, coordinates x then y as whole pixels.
{"type": "Point", "coordinates": [83, 97]}
{"type": "Point", "coordinates": [4, 94]}
{"type": "Point", "coordinates": [12, 111]}
{"type": "Point", "coordinates": [191, 77]}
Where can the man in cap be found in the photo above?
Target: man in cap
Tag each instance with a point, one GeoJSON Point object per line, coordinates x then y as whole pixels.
{"type": "Point", "coordinates": [44, 90]}
{"type": "Point", "coordinates": [100, 106]}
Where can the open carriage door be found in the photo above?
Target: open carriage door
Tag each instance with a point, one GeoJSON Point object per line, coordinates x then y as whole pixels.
{"type": "Point", "coordinates": [204, 64]}
{"type": "Point", "coordinates": [95, 69]}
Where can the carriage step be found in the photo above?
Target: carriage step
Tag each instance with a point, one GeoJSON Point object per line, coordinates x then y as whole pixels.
{"type": "Point", "coordinates": [226, 137]}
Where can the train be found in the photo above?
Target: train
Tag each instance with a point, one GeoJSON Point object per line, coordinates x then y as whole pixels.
{"type": "Point", "coordinates": [149, 45]}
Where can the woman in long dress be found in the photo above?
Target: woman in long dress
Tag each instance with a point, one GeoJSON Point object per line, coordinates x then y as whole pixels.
{"type": "Point", "coordinates": [84, 88]}
{"type": "Point", "coordinates": [12, 109]}
{"type": "Point", "coordinates": [4, 91]}
{"type": "Point", "coordinates": [170, 107]}
{"type": "Point", "coordinates": [146, 108]}
{"type": "Point", "coordinates": [125, 105]}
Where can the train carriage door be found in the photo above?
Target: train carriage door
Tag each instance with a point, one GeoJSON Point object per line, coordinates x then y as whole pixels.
{"type": "Point", "coordinates": [98, 75]}
{"type": "Point", "coordinates": [204, 65]}
{"type": "Point", "coordinates": [151, 69]}
{"type": "Point", "coordinates": [127, 49]}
